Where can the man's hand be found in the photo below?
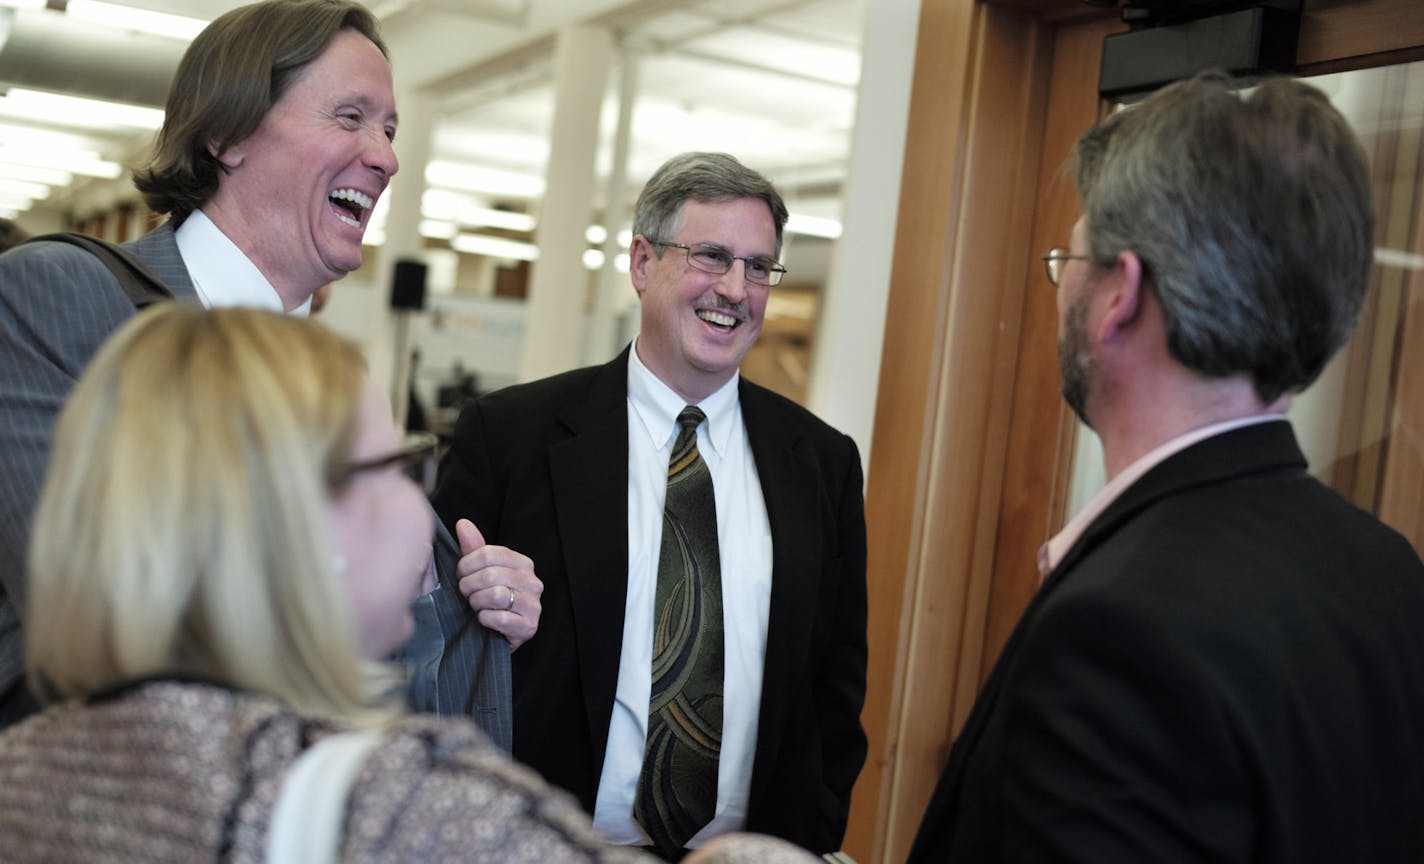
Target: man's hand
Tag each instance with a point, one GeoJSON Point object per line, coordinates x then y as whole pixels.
{"type": "Point", "coordinates": [499, 584]}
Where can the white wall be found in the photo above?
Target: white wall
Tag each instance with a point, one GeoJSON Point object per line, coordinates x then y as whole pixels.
{"type": "Point", "coordinates": [845, 372]}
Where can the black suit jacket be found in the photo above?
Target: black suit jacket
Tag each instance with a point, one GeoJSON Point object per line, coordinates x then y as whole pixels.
{"type": "Point", "coordinates": [1227, 666]}
{"type": "Point", "coordinates": [543, 468]}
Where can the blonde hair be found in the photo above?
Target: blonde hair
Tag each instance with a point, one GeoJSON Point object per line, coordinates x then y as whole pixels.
{"type": "Point", "coordinates": [182, 529]}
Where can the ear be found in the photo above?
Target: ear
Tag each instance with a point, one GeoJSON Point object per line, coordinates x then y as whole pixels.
{"type": "Point", "coordinates": [640, 257]}
{"type": "Point", "coordinates": [230, 158]}
{"type": "Point", "coordinates": [1123, 296]}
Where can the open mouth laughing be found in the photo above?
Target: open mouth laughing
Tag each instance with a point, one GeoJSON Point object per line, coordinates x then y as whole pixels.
{"type": "Point", "coordinates": [721, 320]}
{"type": "Point", "coordinates": [351, 206]}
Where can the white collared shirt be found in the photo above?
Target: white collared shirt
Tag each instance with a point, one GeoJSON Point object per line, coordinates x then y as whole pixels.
{"type": "Point", "coordinates": [221, 274]}
{"type": "Point", "coordinates": [1050, 554]}
{"type": "Point", "coordinates": [744, 549]}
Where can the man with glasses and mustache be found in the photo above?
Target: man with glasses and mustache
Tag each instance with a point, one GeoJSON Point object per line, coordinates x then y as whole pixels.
{"type": "Point", "coordinates": [700, 665]}
{"type": "Point", "coordinates": [1224, 662]}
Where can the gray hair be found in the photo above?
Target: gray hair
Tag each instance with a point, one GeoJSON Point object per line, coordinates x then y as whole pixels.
{"type": "Point", "coordinates": [707, 178]}
{"type": "Point", "coordinates": [1251, 216]}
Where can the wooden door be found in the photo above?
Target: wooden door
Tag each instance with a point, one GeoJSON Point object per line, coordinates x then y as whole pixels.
{"type": "Point", "coordinates": [971, 458]}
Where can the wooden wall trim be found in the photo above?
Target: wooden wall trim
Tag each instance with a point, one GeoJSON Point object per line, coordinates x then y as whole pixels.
{"type": "Point", "coordinates": [1042, 431]}
{"type": "Point", "coordinates": [897, 477]}
{"type": "Point", "coordinates": [937, 461]}
{"type": "Point", "coordinates": [1345, 34]}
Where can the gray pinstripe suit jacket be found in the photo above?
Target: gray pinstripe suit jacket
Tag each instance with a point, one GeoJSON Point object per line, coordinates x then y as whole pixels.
{"type": "Point", "coordinates": [57, 305]}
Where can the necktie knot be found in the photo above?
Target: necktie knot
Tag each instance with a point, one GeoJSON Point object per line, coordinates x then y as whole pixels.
{"type": "Point", "coordinates": [690, 418]}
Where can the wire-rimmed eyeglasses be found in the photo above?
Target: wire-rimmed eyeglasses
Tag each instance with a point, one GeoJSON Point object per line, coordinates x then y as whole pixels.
{"type": "Point", "coordinates": [1053, 262]}
{"type": "Point", "coordinates": [709, 259]}
{"type": "Point", "coordinates": [417, 459]}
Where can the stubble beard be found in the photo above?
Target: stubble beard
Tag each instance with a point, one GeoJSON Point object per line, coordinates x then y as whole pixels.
{"type": "Point", "coordinates": [1075, 365]}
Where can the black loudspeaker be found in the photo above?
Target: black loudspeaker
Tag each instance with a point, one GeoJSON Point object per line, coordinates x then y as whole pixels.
{"type": "Point", "coordinates": [1247, 43]}
{"type": "Point", "coordinates": [408, 285]}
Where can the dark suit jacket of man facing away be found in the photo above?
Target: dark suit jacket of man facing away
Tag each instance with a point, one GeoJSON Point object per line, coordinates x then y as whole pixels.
{"type": "Point", "coordinates": [58, 304]}
{"type": "Point", "coordinates": [543, 469]}
{"type": "Point", "coordinates": [1227, 666]}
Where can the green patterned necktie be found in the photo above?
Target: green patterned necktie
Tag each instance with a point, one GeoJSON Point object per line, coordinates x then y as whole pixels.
{"type": "Point", "coordinates": [677, 789]}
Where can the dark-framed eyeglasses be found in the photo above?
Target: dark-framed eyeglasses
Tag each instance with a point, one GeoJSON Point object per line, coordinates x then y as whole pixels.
{"type": "Point", "coordinates": [418, 459]}
{"type": "Point", "coordinates": [709, 259]}
{"type": "Point", "coordinates": [1053, 262]}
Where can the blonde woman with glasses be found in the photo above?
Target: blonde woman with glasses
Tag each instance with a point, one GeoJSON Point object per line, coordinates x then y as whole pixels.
{"type": "Point", "coordinates": [228, 541]}
{"type": "Point", "coordinates": [227, 545]}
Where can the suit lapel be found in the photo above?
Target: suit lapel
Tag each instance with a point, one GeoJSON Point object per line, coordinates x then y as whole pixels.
{"type": "Point", "coordinates": [788, 487]}
{"type": "Point", "coordinates": [158, 250]}
{"type": "Point", "coordinates": [589, 475]}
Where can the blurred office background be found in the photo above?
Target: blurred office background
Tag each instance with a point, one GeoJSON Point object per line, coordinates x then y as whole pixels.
{"type": "Point", "coordinates": [919, 144]}
{"type": "Point", "coordinates": [527, 129]}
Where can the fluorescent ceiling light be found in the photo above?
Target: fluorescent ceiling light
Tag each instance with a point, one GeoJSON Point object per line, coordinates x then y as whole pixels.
{"type": "Point", "coordinates": [131, 18]}
{"type": "Point", "coordinates": [11, 133]}
{"type": "Point", "coordinates": [14, 202]}
{"type": "Point", "coordinates": [489, 217]}
{"type": "Point", "coordinates": [35, 174]}
{"type": "Point", "coordinates": [78, 111]}
{"type": "Point", "coordinates": [593, 259]}
{"type": "Point", "coordinates": [763, 47]}
{"type": "Point", "coordinates": [373, 237]}
{"type": "Point", "coordinates": [22, 4]}
{"type": "Point", "coordinates": [495, 247]}
{"type": "Point", "coordinates": [448, 205]}
{"type": "Point", "coordinates": [9, 213]}
{"type": "Point", "coordinates": [595, 235]}
{"type": "Point", "coordinates": [476, 178]}
{"type": "Point", "coordinates": [437, 229]}
{"type": "Point", "coordinates": [441, 204]}
{"type": "Point", "coordinates": [83, 162]}
{"type": "Point", "coordinates": [813, 226]}
{"type": "Point", "coordinates": [20, 188]}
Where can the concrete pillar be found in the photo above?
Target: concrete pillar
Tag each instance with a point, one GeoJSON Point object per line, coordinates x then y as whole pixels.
{"type": "Point", "coordinates": [388, 351]}
{"type": "Point", "coordinates": [845, 373]}
{"type": "Point", "coordinates": [603, 333]}
{"type": "Point", "coordinates": [558, 285]}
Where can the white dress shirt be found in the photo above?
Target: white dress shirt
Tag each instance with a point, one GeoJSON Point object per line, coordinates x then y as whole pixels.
{"type": "Point", "coordinates": [744, 550]}
{"type": "Point", "coordinates": [221, 274]}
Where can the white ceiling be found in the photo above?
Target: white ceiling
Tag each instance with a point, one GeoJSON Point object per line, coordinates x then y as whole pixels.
{"type": "Point", "coordinates": [772, 81]}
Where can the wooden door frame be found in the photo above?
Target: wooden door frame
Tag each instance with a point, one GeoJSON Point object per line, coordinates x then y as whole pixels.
{"type": "Point", "coordinates": [968, 466]}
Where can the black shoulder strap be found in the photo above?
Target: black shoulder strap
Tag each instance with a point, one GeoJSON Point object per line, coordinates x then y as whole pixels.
{"type": "Point", "coordinates": [142, 287]}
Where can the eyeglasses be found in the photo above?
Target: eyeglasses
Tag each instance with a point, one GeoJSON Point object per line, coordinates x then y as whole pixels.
{"type": "Point", "coordinates": [710, 259]}
{"type": "Point", "coordinates": [1053, 262]}
{"type": "Point", "coordinates": [417, 459]}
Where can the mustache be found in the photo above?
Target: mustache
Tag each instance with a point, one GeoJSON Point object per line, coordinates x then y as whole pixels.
{"type": "Point", "coordinates": [741, 311]}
